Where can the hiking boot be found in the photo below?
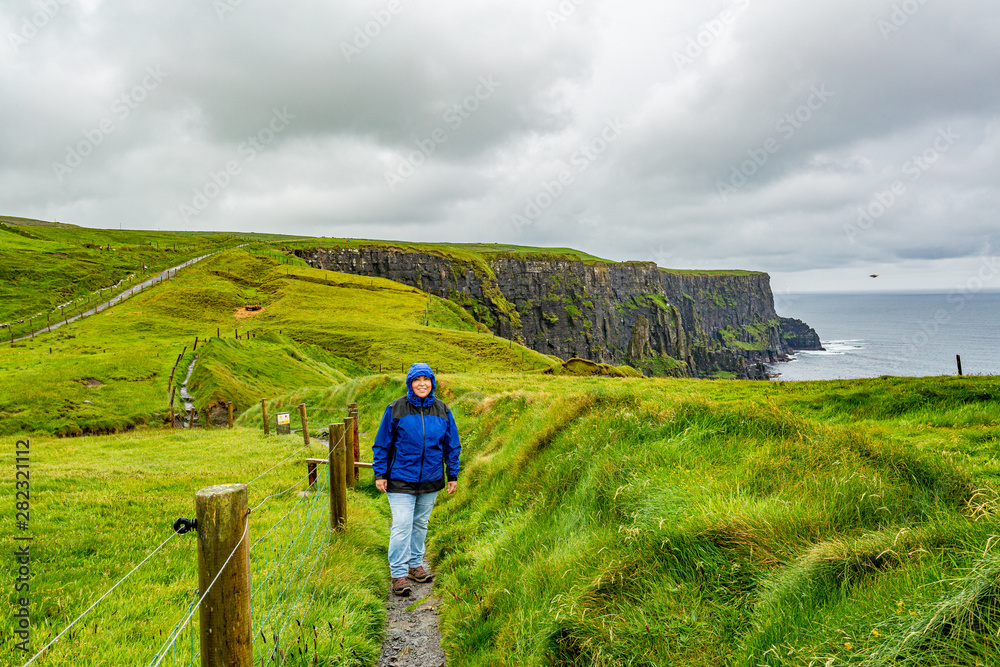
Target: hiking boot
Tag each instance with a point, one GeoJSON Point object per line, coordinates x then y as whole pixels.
{"type": "Point", "coordinates": [401, 587]}
{"type": "Point", "coordinates": [420, 575]}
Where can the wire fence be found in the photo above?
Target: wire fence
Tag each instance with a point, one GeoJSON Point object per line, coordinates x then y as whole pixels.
{"type": "Point", "coordinates": [287, 562]}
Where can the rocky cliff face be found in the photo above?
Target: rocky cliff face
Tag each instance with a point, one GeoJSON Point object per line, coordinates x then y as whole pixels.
{"type": "Point", "coordinates": [662, 322]}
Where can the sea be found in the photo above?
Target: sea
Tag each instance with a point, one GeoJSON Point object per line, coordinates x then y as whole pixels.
{"type": "Point", "coordinates": [868, 335]}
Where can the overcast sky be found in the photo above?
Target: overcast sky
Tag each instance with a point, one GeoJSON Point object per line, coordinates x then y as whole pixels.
{"type": "Point", "coordinates": [818, 141]}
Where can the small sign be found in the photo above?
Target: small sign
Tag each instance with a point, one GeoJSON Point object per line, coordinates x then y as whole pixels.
{"type": "Point", "coordinates": [284, 424]}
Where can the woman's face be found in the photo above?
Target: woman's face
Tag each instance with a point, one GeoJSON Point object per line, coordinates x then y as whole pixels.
{"type": "Point", "coordinates": [421, 386]}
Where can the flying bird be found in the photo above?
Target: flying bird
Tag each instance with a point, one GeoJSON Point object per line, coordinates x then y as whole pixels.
{"type": "Point", "coordinates": [874, 275]}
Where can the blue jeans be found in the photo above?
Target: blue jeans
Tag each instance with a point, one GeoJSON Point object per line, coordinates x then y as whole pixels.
{"type": "Point", "coordinates": [409, 530]}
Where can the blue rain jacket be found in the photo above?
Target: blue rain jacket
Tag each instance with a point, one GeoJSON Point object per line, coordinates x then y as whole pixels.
{"type": "Point", "coordinates": [416, 440]}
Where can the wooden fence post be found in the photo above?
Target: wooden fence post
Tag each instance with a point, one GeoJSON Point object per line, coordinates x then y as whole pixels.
{"type": "Point", "coordinates": [263, 409]}
{"type": "Point", "coordinates": [172, 407]}
{"type": "Point", "coordinates": [338, 486]}
{"type": "Point", "coordinates": [349, 469]}
{"type": "Point", "coordinates": [305, 424]}
{"type": "Point", "coordinates": [352, 410]}
{"type": "Point", "coordinates": [230, 406]}
{"type": "Point", "coordinates": [226, 634]}
{"type": "Point", "coordinates": [205, 413]}
{"type": "Point", "coordinates": [958, 360]}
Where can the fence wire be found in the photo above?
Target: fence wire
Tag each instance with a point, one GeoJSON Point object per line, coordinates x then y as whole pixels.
{"type": "Point", "coordinates": [287, 561]}
{"type": "Point", "coordinates": [286, 564]}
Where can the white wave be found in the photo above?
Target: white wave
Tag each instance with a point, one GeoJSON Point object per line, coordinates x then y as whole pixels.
{"type": "Point", "coordinates": [835, 348]}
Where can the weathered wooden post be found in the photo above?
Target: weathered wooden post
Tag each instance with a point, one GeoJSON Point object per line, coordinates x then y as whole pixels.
{"type": "Point", "coordinates": [350, 471]}
{"type": "Point", "coordinates": [218, 332]}
{"type": "Point", "coordinates": [305, 423]}
{"type": "Point", "coordinates": [172, 407]}
{"type": "Point", "coordinates": [205, 413]}
{"type": "Point", "coordinates": [958, 360]}
{"type": "Point", "coordinates": [229, 405]}
{"type": "Point", "coordinates": [195, 344]}
{"type": "Point", "coordinates": [338, 486]}
{"type": "Point", "coordinates": [352, 410]}
{"type": "Point", "coordinates": [263, 409]}
{"type": "Point", "coordinates": [224, 571]}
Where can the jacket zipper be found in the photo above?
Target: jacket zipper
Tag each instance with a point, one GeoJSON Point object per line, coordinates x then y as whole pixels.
{"type": "Point", "coordinates": [423, 445]}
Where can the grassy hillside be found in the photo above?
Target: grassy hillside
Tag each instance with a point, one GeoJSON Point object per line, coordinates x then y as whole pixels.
{"type": "Point", "coordinates": [110, 371]}
{"type": "Point", "coordinates": [602, 521]}
{"type": "Point", "coordinates": [42, 267]}
{"type": "Point", "coordinates": [623, 522]}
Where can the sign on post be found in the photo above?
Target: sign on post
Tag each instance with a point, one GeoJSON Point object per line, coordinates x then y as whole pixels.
{"type": "Point", "coordinates": [284, 424]}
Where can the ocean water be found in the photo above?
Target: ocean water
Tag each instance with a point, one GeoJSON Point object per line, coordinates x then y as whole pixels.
{"type": "Point", "coordinates": [868, 335]}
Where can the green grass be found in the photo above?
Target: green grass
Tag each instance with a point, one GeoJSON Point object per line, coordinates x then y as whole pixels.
{"type": "Point", "coordinates": [101, 504]}
{"type": "Point", "coordinates": [611, 521]}
{"type": "Point", "coordinates": [110, 372]}
{"type": "Point", "coordinates": [620, 522]}
{"type": "Point", "coordinates": [42, 267]}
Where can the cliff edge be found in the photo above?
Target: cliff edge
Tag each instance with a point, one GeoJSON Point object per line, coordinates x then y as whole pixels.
{"type": "Point", "coordinates": [662, 322]}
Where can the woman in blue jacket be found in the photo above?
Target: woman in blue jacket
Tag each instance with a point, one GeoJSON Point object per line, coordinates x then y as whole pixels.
{"type": "Point", "coordinates": [415, 455]}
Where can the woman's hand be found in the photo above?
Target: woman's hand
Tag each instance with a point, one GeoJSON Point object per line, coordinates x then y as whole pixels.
{"type": "Point", "coordinates": [380, 484]}
{"type": "Point", "coordinates": [452, 486]}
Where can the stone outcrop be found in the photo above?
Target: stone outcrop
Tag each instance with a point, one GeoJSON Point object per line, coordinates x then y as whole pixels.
{"type": "Point", "coordinates": [659, 321]}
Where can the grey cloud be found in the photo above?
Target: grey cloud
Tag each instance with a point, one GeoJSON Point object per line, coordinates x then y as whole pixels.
{"type": "Point", "coordinates": [652, 193]}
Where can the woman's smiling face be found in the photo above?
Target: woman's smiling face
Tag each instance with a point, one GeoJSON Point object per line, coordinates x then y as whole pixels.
{"type": "Point", "coordinates": [421, 386]}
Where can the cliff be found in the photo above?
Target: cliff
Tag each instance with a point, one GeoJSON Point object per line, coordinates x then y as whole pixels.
{"type": "Point", "coordinates": [659, 321]}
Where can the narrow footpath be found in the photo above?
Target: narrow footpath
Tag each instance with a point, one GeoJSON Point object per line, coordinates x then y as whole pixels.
{"type": "Point", "coordinates": [168, 273]}
{"type": "Point", "coordinates": [413, 636]}
{"type": "Point", "coordinates": [190, 415]}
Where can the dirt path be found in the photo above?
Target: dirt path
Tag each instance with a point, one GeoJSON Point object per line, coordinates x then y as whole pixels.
{"type": "Point", "coordinates": [413, 637]}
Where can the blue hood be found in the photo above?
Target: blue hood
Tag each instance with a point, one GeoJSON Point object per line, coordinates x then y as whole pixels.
{"type": "Point", "coordinates": [416, 370]}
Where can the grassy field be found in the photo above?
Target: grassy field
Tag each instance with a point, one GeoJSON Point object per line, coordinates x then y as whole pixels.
{"type": "Point", "coordinates": [110, 372]}
{"type": "Point", "coordinates": [101, 504]}
{"type": "Point", "coordinates": [600, 521]}
{"type": "Point", "coordinates": [624, 522]}
{"type": "Point", "coordinates": [43, 267]}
